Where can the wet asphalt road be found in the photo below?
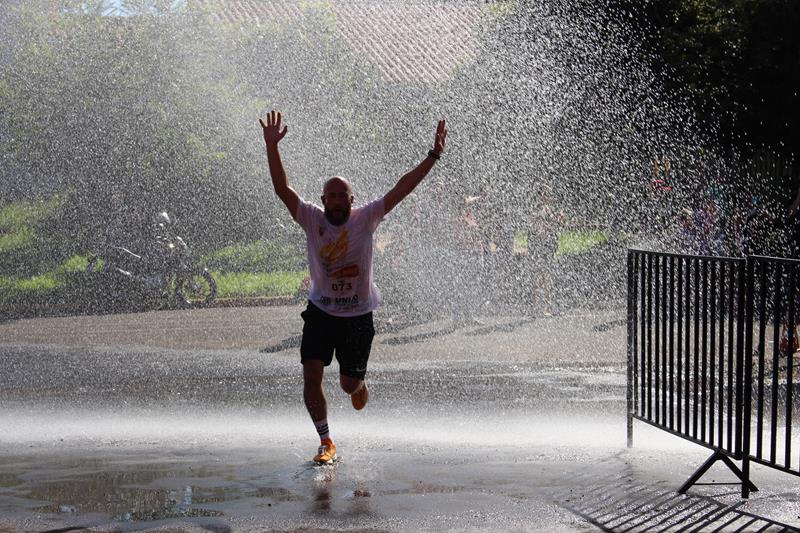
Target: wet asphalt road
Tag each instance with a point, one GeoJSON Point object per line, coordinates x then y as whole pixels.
{"type": "Point", "coordinates": [249, 358]}
{"type": "Point", "coordinates": [193, 420]}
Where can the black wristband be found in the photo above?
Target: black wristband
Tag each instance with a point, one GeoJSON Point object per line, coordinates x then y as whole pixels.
{"type": "Point", "coordinates": [434, 155]}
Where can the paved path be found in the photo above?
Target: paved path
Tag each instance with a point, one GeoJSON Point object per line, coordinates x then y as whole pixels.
{"type": "Point", "coordinates": [192, 421]}
{"type": "Point", "coordinates": [577, 338]}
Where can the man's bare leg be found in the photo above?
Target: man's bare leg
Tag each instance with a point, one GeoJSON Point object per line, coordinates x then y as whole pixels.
{"type": "Point", "coordinates": [317, 405]}
{"type": "Point", "coordinates": [357, 389]}
{"type": "Point", "coordinates": [313, 394]}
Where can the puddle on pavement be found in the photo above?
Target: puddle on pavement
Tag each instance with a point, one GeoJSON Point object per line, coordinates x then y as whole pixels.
{"type": "Point", "coordinates": [141, 493]}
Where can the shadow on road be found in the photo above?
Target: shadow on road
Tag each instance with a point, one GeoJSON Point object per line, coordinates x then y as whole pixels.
{"type": "Point", "coordinates": [622, 505]}
{"type": "Point", "coordinates": [389, 327]}
{"type": "Point", "coordinates": [606, 326]}
{"type": "Point", "coordinates": [285, 344]}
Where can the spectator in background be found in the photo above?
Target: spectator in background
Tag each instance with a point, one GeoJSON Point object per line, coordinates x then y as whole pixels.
{"type": "Point", "coordinates": [707, 223]}
{"type": "Point", "coordinates": [467, 255]}
{"type": "Point", "coordinates": [687, 236]}
{"type": "Point", "coordinates": [544, 223]}
{"type": "Point", "coordinates": [757, 226]}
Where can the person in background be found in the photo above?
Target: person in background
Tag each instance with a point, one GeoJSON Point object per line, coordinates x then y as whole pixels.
{"type": "Point", "coordinates": [544, 224]}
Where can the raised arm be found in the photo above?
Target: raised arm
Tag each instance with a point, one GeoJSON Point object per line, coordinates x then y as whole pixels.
{"type": "Point", "coordinates": [272, 136]}
{"type": "Point", "coordinates": [410, 180]}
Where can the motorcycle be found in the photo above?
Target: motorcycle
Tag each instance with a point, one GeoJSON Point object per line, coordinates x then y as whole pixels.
{"type": "Point", "coordinates": [165, 273]}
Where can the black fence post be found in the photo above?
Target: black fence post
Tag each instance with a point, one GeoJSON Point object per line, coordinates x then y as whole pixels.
{"type": "Point", "coordinates": [744, 357]}
{"type": "Point", "coordinates": [631, 344]}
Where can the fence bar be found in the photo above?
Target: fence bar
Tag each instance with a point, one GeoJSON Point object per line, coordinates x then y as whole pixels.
{"type": "Point", "coordinates": [644, 336]}
{"type": "Point", "coordinates": [636, 359]}
{"type": "Point", "coordinates": [744, 342]}
{"type": "Point", "coordinates": [731, 360]}
{"type": "Point", "coordinates": [704, 355]}
{"type": "Point", "coordinates": [671, 343]}
{"type": "Point", "coordinates": [776, 331]}
{"type": "Point", "coordinates": [696, 391]}
{"type": "Point", "coordinates": [789, 366]}
{"type": "Point", "coordinates": [762, 335]}
{"type": "Point", "coordinates": [712, 336]}
{"type": "Point", "coordinates": [657, 340]}
{"type": "Point", "coordinates": [649, 337]}
{"type": "Point", "coordinates": [631, 370]}
{"type": "Point", "coordinates": [721, 360]}
{"type": "Point", "coordinates": [688, 352]}
{"type": "Point", "coordinates": [664, 401]}
{"type": "Point", "coordinates": [679, 354]}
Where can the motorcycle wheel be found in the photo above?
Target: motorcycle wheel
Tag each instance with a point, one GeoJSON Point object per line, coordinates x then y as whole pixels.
{"type": "Point", "coordinates": [197, 289]}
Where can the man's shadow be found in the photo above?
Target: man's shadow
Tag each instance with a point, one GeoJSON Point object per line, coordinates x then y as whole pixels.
{"type": "Point", "coordinates": [471, 329]}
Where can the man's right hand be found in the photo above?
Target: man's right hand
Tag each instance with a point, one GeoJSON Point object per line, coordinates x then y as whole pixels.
{"type": "Point", "coordinates": [272, 128]}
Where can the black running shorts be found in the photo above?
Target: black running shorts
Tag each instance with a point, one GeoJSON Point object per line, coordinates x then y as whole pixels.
{"type": "Point", "coordinates": [349, 337]}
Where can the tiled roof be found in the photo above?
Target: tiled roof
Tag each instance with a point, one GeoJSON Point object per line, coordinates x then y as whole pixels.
{"type": "Point", "coordinates": [408, 41]}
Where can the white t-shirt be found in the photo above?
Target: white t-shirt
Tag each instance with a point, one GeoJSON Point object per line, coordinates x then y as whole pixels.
{"type": "Point", "coordinates": [340, 258]}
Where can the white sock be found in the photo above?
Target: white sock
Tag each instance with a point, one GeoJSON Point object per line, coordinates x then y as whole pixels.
{"type": "Point", "coordinates": [322, 429]}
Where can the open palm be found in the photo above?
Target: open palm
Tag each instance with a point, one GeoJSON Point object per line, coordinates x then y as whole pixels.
{"type": "Point", "coordinates": [441, 134]}
{"type": "Point", "coordinates": [272, 127]}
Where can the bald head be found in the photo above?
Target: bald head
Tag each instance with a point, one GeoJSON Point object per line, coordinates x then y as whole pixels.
{"type": "Point", "coordinates": [337, 184]}
{"type": "Point", "coordinates": [337, 197]}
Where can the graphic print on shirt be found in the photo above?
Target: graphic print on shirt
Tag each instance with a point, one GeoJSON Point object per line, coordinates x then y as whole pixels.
{"type": "Point", "coordinates": [335, 250]}
{"type": "Point", "coordinates": [341, 277]}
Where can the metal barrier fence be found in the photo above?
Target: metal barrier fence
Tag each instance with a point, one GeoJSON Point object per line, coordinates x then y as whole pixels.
{"type": "Point", "coordinates": [693, 323]}
{"type": "Point", "coordinates": [772, 313]}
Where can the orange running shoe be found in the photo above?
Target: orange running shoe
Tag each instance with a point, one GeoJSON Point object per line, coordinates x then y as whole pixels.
{"type": "Point", "coordinates": [326, 454]}
{"type": "Point", "coordinates": [360, 397]}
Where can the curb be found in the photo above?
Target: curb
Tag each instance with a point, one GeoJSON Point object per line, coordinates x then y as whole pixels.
{"type": "Point", "coordinates": [261, 301]}
{"type": "Point", "coordinates": [53, 309]}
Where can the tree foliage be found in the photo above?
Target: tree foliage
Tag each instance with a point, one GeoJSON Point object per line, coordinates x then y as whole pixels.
{"type": "Point", "coordinates": [738, 60]}
{"type": "Point", "coordinates": [131, 115]}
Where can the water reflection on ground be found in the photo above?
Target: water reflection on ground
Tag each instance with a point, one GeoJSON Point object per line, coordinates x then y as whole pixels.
{"type": "Point", "coordinates": [136, 486]}
{"type": "Point", "coordinates": [378, 486]}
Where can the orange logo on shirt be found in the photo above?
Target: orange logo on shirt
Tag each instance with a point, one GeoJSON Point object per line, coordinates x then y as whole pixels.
{"type": "Point", "coordinates": [335, 250]}
{"type": "Point", "coordinates": [346, 272]}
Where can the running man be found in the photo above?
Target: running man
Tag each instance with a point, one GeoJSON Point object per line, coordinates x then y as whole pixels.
{"type": "Point", "coordinates": [338, 318]}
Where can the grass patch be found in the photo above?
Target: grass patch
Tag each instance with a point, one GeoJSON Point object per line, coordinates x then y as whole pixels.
{"type": "Point", "coordinates": [569, 242]}
{"type": "Point", "coordinates": [41, 284]}
{"type": "Point", "coordinates": [251, 284]}
{"type": "Point", "coordinates": [19, 214]}
{"type": "Point", "coordinates": [76, 263]}
{"type": "Point", "coordinates": [15, 239]}
{"type": "Point", "coordinates": [576, 242]}
{"type": "Point", "coordinates": [10, 287]}
{"type": "Point", "coordinates": [520, 240]}
{"type": "Point", "coordinates": [18, 222]}
{"type": "Point", "coordinates": [229, 284]}
{"type": "Point", "coordinates": [258, 256]}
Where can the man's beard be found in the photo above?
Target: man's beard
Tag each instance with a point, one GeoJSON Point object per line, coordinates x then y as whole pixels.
{"type": "Point", "coordinates": [337, 217]}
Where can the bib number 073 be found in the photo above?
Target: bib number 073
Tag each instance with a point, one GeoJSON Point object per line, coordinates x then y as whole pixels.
{"type": "Point", "coordinates": [341, 285]}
